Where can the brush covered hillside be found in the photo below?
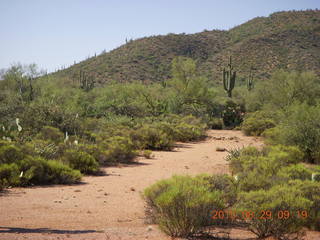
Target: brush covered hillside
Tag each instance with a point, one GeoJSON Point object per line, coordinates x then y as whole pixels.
{"type": "Point", "coordinates": [287, 40]}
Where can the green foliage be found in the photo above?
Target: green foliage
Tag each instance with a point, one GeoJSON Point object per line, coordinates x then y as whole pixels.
{"type": "Point", "coordinates": [300, 129]}
{"type": "Point", "coordinates": [10, 154]}
{"type": "Point", "coordinates": [50, 134]}
{"type": "Point", "coordinates": [215, 123]}
{"type": "Point", "coordinates": [118, 150]}
{"type": "Point", "coordinates": [39, 171]}
{"type": "Point", "coordinates": [256, 123]}
{"type": "Point", "coordinates": [182, 205]}
{"type": "Point", "coordinates": [227, 185]}
{"type": "Point", "coordinates": [295, 171]}
{"type": "Point", "coordinates": [9, 175]}
{"type": "Point", "coordinates": [275, 200]}
{"type": "Point", "coordinates": [232, 114]}
{"type": "Point", "coordinates": [147, 154]}
{"type": "Point", "coordinates": [284, 89]}
{"type": "Point", "coordinates": [150, 137]}
{"type": "Point", "coordinates": [81, 161]}
{"type": "Point", "coordinates": [62, 174]}
{"type": "Point", "coordinates": [259, 169]}
{"type": "Point", "coordinates": [309, 190]}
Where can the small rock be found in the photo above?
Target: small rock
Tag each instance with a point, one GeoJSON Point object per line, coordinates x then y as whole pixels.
{"type": "Point", "coordinates": [186, 167]}
{"type": "Point", "coordinates": [77, 190]}
{"type": "Point", "coordinates": [149, 228]}
{"type": "Point", "coordinates": [220, 149]}
{"type": "Point", "coordinates": [132, 189]}
{"type": "Point", "coordinates": [106, 194]}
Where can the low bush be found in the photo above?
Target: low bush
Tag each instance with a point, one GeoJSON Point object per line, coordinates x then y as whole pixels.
{"type": "Point", "coordinates": [182, 205]}
{"type": "Point", "coordinates": [299, 128]}
{"type": "Point", "coordinates": [60, 173]}
{"type": "Point", "coordinates": [10, 154]}
{"type": "Point", "coordinates": [118, 150]}
{"type": "Point", "coordinates": [9, 175]}
{"type": "Point", "coordinates": [149, 137]}
{"type": "Point", "coordinates": [256, 123]}
{"type": "Point", "coordinates": [294, 172]}
{"type": "Point", "coordinates": [227, 185]}
{"type": "Point", "coordinates": [81, 161]}
{"type": "Point", "coordinates": [39, 171]}
{"type": "Point", "coordinates": [232, 114]}
{"type": "Point", "coordinates": [309, 190]}
{"type": "Point", "coordinates": [215, 123]}
{"type": "Point", "coordinates": [147, 154]}
{"type": "Point", "coordinates": [279, 201]}
{"type": "Point", "coordinates": [259, 169]}
{"type": "Point", "coordinates": [50, 134]}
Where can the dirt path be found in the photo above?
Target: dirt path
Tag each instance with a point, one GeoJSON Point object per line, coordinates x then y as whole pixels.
{"type": "Point", "coordinates": [109, 207]}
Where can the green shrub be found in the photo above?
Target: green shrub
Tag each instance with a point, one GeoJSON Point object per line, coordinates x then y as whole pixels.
{"type": "Point", "coordinates": [300, 128]}
{"type": "Point", "coordinates": [182, 205]}
{"type": "Point", "coordinates": [215, 123]}
{"type": "Point", "coordinates": [238, 157]}
{"type": "Point", "coordinates": [285, 154]}
{"type": "Point", "coordinates": [60, 173]}
{"type": "Point", "coordinates": [118, 150]}
{"type": "Point", "coordinates": [276, 200]}
{"type": "Point", "coordinates": [51, 134]}
{"type": "Point", "coordinates": [37, 170]}
{"type": "Point", "coordinates": [10, 154]}
{"type": "Point", "coordinates": [147, 154]}
{"type": "Point", "coordinates": [9, 175]}
{"type": "Point", "coordinates": [256, 123]}
{"type": "Point", "coordinates": [148, 137]}
{"type": "Point", "coordinates": [295, 171]}
{"type": "Point", "coordinates": [227, 185]}
{"type": "Point", "coordinates": [232, 114]}
{"type": "Point", "coordinates": [309, 190]}
{"type": "Point", "coordinates": [81, 161]}
{"type": "Point", "coordinates": [259, 169]}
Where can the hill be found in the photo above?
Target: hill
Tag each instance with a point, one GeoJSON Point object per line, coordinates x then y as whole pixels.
{"type": "Point", "coordinates": [288, 40]}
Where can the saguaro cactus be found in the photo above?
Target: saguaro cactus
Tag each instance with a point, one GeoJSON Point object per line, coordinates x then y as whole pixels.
{"type": "Point", "coordinates": [250, 80]}
{"type": "Point", "coordinates": [229, 78]}
{"type": "Point", "coordinates": [86, 83]}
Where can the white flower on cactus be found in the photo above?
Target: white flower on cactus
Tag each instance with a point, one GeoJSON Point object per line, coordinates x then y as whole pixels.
{"type": "Point", "coordinates": [21, 174]}
{"type": "Point", "coordinates": [236, 177]}
{"type": "Point", "coordinates": [18, 125]}
{"type": "Point", "coordinates": [76, 142]}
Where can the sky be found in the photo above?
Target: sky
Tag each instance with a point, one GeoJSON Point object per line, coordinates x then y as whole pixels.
{"type": "Point", "coordinates": [55, 33]}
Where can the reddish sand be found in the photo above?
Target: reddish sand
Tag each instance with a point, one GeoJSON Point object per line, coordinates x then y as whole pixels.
{"type": "Point", "coordinates": [111, 207]}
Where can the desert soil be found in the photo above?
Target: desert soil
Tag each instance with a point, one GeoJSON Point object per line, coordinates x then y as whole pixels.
{"type": "Point", "coordinates": [110, 206]}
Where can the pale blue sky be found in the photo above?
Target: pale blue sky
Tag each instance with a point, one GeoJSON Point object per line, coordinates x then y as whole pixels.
{"type": "Point", "coordinates": [52, 33]}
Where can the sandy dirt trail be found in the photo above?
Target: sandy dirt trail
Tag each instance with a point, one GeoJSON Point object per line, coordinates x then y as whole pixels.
{"type": "Point", "coordinates": [110, 207]}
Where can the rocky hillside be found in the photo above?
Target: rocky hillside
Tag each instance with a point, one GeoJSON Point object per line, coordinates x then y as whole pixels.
{"type": "Point", "coordinates": [289, 40]}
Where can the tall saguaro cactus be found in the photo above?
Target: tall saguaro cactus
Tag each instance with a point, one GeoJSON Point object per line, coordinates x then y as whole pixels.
{"type": "Point", "coordinates": [250, 80]}
{"type": "Point", "coordinates": [86, 83]}
{"type": "Point", "coordinates": [229, 78]}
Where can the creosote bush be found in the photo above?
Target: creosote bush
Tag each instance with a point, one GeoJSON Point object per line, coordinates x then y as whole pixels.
{"type": "Point", "coordinates": [182, 205]}
{"type": "Point", "coordinates": [9, 175]}
{"type": "Point", "coordinates": [256, 123]}
{"type": "Point", "coordinates": [280, 201]}
{"type": "Point", "coordinates": [81, 161]}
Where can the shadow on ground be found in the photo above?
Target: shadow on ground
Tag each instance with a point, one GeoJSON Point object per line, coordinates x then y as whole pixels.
{"type": "Point", "coordinates": [43, 230]}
